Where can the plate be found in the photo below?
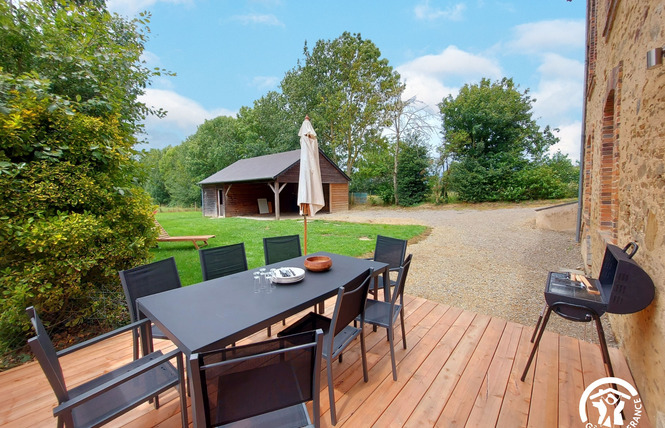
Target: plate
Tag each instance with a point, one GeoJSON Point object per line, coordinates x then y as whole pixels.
{"type": "Point", "coordinates": [288, 275]}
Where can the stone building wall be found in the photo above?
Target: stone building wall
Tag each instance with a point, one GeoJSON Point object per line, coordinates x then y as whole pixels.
{"type": "Point", "coordinates": [624, 177]}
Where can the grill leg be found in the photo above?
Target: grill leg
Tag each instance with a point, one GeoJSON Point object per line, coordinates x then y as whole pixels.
{"type": "Point", "coordinates": [540, 318]}
{"type": "Point", "coordinates": [603, 345]}
{"type": "Point", "coordinates": [535, 345]}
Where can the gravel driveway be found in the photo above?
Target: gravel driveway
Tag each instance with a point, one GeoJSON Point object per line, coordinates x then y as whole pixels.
{"type": "Point", "coordinates": [490, 261]}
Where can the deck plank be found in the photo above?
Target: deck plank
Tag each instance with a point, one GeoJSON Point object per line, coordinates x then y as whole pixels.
{"type": "Point", "coordinates": [459, 369]}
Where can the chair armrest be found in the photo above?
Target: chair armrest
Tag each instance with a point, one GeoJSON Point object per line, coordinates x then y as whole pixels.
{"type": "Point", "coordinates": [94, 392]}
{"type": "Point", "coordinates": [128, 327]}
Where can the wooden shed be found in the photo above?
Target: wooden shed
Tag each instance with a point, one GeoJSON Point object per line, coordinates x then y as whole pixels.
{"type": "Point", "coordinates": [269, 184]}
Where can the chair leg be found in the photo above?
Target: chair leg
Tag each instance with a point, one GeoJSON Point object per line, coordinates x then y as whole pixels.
{"type": "Point", "coordinates": [535, 345]}
{"type": "Point", "coordinates": [135, 344]}
{"type": "Point", "coordinates": [540, 318]}
{"type": "Point", "coordinates": [391, 339]}
{"type": "Point", "coordinates": [401, 315]}
{"type": "Point", "coordinates": [363, 356]}
{"type": "Point", "coordinates": [331, 392]}
{"type": "Point", "coordinates": [182, 390]}
{"type": "Point", "coordinates": [269, 331]}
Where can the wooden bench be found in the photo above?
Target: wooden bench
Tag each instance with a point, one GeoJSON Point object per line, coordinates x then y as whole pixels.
{"type": "Point", "coordinates": [164, 237]}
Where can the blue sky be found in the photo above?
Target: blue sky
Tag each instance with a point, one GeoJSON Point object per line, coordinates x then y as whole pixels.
{"type": "Point", "coordinates": [229, 53]}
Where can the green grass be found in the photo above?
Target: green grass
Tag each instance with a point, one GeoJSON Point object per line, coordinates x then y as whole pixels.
{"type": "Point", "coordinates": [351, 239]}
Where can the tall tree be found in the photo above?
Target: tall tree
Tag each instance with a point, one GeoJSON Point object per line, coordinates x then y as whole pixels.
{"type": "Point", "coordinates": [72, 213]}
{"type": "Point", "coordinates": [407, 117]}
{"type": "Point", "coordinates": [490, 133]}
{"type": "Point", "coordinates": [346, 87]}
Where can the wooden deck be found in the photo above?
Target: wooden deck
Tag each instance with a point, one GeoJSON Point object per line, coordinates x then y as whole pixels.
{"type": "Point", "coordinates": [460, 369]}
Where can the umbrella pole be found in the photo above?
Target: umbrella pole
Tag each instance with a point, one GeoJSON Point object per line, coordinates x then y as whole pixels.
{"type": "Point", "coordinates": [305, 217]}
{"type": "Point", "coordinates": [305, 212]}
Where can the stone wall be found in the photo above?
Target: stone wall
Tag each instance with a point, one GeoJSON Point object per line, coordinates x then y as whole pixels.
{"type": "Point", "coordinates": [624, 177]}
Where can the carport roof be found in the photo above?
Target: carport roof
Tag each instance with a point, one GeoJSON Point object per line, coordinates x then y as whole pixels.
{"type": "Point", "coordinates": [260, 168]}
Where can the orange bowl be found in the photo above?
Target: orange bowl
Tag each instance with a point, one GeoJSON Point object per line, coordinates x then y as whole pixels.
{"type": "Point", "coordinates": [318, 263]}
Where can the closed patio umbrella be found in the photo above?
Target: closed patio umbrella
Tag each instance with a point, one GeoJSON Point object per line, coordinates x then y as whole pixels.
{"type": "Point", "coordinates": [310, 188]}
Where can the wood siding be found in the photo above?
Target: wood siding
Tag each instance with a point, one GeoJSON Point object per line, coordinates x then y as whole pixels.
{"type": "Point", "coordinates": [339, 197]}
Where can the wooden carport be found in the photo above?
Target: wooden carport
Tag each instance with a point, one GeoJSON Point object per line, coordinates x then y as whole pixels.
{"type": "Point", "coordinates": [237, 189]}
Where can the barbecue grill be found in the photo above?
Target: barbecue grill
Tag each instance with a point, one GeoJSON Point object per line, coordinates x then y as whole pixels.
{"type": "Point", "coordinates": [622, 287]}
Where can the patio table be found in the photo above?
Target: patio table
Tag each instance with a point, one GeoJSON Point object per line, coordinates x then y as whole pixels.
{"type": "Point", "coordinates": [221, 311]}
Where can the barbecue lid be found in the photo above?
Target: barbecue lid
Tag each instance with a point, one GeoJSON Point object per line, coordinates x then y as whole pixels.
{"type": "Point", "coordinates": [630, 288]}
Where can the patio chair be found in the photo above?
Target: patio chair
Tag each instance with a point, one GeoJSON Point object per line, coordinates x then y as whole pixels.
{"type": "Point", "coordinates": [146, 280]}
{"type": "Point", "coordinates": [221, 261]}
{"type": "Point", "coordinates": [165, 237]}
{"type": "Point", "coordinates": [337, 332]}
{"type": "Point", "coordinates": [263, 384]}
{"type": "Point", "coordinates": [102, 399]}
{"type": "Point", "coordinates": [280, 248]}
{"type": "Point", "coordinates": [391, 251]}
{"type": "Point", "coordinates": [384, 314]}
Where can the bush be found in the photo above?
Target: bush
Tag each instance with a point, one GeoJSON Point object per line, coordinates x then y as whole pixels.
{"type": "Point", "coordinates": [71, 216]}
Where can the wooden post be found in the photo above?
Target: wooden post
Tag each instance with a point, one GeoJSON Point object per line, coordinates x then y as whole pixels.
{"type": "Point", "coordinates": [277, 189]}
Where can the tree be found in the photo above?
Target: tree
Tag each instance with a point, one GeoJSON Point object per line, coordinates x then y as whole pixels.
{"type": "Point", "coordinates": [154, 182]}
{"type": "Point", "coordinates": [72, 212]}
{"type": "Point", "coordinates": [490, 135]}
{"type": "Point", "coordinates": [412, 176]}
{"type": "Point", "coordinates": [346, 88]}
{"type": "Point", "coordinates": [407, 117]}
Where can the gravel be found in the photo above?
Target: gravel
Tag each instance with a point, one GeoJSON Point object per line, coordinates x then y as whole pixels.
{"type": "Point", "coordinates": [491, 261]}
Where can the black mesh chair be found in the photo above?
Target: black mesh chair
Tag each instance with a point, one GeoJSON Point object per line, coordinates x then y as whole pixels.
{"type": "Point", "coordinates": [146, 280]}
{"type": "Point", "coordinates": [280, 248]}
{"type": "Point", "coordinates": [263, 384]}
{"type": "Point", "coordinates": [391, 251]}
{"type": "Point", "coordinates": [338, 333]}
{"type": "Point", "coordinates": [222, 261]}
{"type": "Point", "coordinates": [102, 399]}
{"type": "Point", "coordinates": [384, 314]}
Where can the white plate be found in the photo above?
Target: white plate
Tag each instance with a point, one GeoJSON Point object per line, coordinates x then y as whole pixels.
{"type": "Point", "coordinates": [295, 275]}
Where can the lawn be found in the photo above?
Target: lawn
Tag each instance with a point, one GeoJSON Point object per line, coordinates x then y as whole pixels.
{"type": "Point", "coordinates": [351, 239]}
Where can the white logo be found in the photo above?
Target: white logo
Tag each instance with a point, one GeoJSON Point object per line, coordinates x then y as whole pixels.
{"type": "Point", "coordinates": [609, 404]}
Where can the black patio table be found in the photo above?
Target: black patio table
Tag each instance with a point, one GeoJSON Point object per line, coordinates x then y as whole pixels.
{"type": "Point", "coordinates": [221, 311]}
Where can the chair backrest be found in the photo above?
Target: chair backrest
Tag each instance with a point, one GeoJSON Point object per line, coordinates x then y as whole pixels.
{"type": "Point", "coordinates": [44, 350]}
{"type": "Point", "coordinates": [222, 261]}
{"type": "Point", "coordinates": [237, 383]}
{"type": "Point", "coordinates": [148, 279]}
{"type": "Point", "coordinates": [280, 248]}
{"type": "Point", "coordinates": [350, 303]}
{"type": "Point", "coordinates": [390, 250]}
{"type": "Point", "coordinates": [401, 280]}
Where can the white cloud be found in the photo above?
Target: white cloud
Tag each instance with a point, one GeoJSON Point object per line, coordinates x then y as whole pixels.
{"type": "Point", "coordinates": [184, 115]}
{"type": "Point", "coordinates": [132, 7]}
{"type": "Point", "coordinates": [265, 82]}
{"type": "Point", "coordinates": [432, 77]}
{"type": "Point", "coordinates": [559, 93]}
{"type": "Point", "coordinates": [547, 36]}
{"type": "Point", "coordinates": [258, 19]}
{"type": "Point", "coordinates": [425, 11]}
{"type": "Point", "coordinates": [569, 140]}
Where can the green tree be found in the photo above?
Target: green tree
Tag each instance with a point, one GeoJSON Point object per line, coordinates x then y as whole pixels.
{"type": "Point", "coordinates": [346, 88]}
{"type": "Point", "coordinates": [154, 182]}
{"type": "Point", "coordinates": [73, 213]}
{"type": "Point", "coordinates": [412, 174]}
{"type": "Point", "coordinates": [490, 135]}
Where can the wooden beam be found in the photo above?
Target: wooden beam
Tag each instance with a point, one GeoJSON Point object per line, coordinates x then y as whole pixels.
{"type": "Point", "coordinates": [276, 190]}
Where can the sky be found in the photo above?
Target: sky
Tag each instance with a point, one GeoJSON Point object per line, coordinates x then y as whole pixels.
{"type": "Point", "coordinates": [228, 53]}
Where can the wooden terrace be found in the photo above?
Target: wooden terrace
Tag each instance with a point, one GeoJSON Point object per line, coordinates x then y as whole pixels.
{"type": "Point", "coordinates": [459, 369]}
